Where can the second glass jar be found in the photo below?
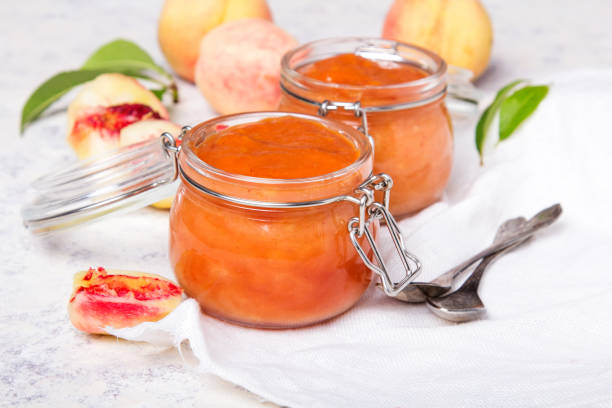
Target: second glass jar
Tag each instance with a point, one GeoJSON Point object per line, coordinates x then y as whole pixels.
{"type": "Point", "coordinates": [407, 120]}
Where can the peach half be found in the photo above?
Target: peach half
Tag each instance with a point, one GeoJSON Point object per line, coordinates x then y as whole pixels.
{"type": "Point", "coordinates": [239, 65]}
{"type": "Point", "coordinates": [119, 299]}
{"type": "Point", "coordinates": [103, 107]}
{"type": "Point", "coordinates": [183, 23]}
{"type": "Point", "coordinates": [146, 130]}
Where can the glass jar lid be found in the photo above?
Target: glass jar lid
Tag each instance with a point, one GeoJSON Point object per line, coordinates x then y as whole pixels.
{"type": "Point", "coordinates": [129, 178]}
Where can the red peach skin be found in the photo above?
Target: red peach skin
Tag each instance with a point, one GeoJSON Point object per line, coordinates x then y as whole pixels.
{"type": "Point", "coordinates": [239, 65]}
{"type": "Point", "coordinates": [119, 299]}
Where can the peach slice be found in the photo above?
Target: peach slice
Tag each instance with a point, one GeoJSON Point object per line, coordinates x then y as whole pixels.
{"type": "Point", "coordinates": [146, 130]}
{"type": "Point", "coordinates": [239, 65]}
{"type": "Point", "coordinates": [99, 130]}
{"type": "Point", "coordinates": [119, 299]}
{"type": "Point", "coordinates": [103, 107]}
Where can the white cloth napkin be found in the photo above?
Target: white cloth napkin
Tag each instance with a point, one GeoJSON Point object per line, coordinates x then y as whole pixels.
{"type": "Point", "coordinates": [547, 339]}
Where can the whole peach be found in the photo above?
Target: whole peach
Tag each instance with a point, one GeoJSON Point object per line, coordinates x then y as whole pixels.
{"type": "Point", "coordinates": [459, 31]}
{"type": "Point", "coordinates": [183, 23]}
{"type": "Point", "coordinates": [238, 69]}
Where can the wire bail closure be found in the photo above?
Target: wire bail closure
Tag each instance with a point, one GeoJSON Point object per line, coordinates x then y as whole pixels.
{"type": "Point", "coordinates": [326, 106]}
{"type": "Point", "coordinates": [369, 211]}
{"type": "Point", "coordinates": [171, 148]}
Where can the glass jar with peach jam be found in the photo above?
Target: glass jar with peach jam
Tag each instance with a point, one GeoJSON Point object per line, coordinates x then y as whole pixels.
{"type": "Point", "coordinates": [275, 221]}
{"type": "Point", "coordinates": [258, 231]}
{"type": "Point", "coordinates": [394, 92]}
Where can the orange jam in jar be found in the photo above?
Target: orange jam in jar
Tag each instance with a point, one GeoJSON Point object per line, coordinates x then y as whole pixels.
{"type": "Point", "coordinates": [392, 91]}
{"type": "Point", "coordinates": [258, 229]}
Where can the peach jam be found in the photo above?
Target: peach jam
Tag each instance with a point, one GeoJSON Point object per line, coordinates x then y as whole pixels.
{"type": "Point", "coordinates": [392, 91]}
{"type": "Point", "coordinates": [254, 235]}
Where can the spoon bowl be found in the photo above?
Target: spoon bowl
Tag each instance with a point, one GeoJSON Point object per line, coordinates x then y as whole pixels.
{"type": "Point", "coordinates": [464, 304]}
{"type": "Point", "coordinates": [455, 309]}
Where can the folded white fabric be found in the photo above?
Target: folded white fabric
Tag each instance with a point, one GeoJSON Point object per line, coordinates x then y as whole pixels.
{"type": "Point", "coordinates": [547, 339]}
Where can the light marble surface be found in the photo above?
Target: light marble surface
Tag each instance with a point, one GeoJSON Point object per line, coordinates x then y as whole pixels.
{"type": "Point", "coordinates": [45, 362]}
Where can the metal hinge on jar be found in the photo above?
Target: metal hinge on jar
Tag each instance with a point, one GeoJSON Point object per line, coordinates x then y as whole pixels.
{"type": "Point", "coordinates": [369, 211]}
{"type": "Point", "coordinates": [172, 148]}
{"type": "Point", "coordinates": [326, 106]}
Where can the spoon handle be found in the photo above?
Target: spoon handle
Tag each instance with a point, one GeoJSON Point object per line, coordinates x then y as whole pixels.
{"type": "Point", "coordinates": [473, 281]}
{"type": "Point", "coordinates": [538, 221]}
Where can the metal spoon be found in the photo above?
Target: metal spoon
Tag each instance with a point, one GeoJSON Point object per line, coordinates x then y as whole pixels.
{"type": "Point", "coordinates": [417, 292]}
{"type": "Point", "coordinates": [464, 303]}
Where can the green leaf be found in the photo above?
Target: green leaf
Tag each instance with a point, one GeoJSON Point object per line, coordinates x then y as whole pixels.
{"type": "Point", "coordinates": [128, 58]}
{"type": "Point", "coordinates": [484, 123]}
{"type": "Point", "coordinates": [59, 84]}
{"type": "Point", "coordinates": [159, 92]}
{"type": "Point", "coordinates": [518, 107]}
{"type": "Point", "coordinates": [119, 55]}
{"type": "Point", "coordinates": [51, 90]}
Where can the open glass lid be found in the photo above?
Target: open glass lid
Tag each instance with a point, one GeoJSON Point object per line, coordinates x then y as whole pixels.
{"type": "Point", "coordinates": [126, 179]}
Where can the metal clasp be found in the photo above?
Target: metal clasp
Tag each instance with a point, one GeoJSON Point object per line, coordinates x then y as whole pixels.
{"type": "Point", "coordinates": [369, 211]}
{"type": "Point", "coordinates": [360, 112]}
{"type": "Point", "coordinates": [172, 148]}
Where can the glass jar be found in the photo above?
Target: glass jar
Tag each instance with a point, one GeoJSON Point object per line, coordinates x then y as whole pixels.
{"type": "Point", "coordinates": [259, 252]}
{"type": "Point", "coordinates": [263, 266]}
{"type": "Point", "coordinates": [408, 121]}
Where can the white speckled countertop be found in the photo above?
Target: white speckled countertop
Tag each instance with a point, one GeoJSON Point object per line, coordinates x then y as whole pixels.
{"type": "Point", "coordinates": [45, 361]}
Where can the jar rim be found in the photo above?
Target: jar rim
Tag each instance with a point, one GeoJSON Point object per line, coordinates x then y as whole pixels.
{"type": "Point", "coordinates": [360, 141]}
{"type": "Point", "coordinates": [435, 77]}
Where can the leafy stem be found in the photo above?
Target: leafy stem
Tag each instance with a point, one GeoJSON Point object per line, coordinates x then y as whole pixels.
{"type": "Point", "coordinates": [120, 56]}
{"type": "Point", "coordinates": [513, 108]}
